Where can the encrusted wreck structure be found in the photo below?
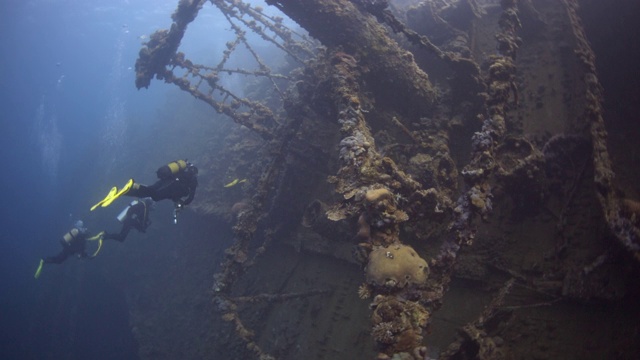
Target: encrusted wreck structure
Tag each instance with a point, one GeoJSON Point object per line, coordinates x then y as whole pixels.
{"type": "Point", "coordinates": [418, 142]}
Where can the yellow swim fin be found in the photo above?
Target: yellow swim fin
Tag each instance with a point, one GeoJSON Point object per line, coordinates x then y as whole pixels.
{"type": "Point", "coordinates": [125, 189]}
{"type": "Point", "coordinates": [113, 195]}
{"type": "Point", "coordinates": [232, 183]}
{"type": "Point", "coordinates": [99, 246]}
{"type": "Point", "coordinates": [97, 237]}
{"type": "Point", "coordinates": [113, 191]}
{"type": "Point", "coordinates": [37, 274]}
{"type": "Point", "coordinates": [235, 182]}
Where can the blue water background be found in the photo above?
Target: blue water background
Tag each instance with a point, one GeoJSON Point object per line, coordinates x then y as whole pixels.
{"type": "Point", "coordinates": [73, 124]}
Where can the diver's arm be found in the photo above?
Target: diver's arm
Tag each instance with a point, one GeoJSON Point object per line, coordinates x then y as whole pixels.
{"type": "Point", "coordinates": [82, 244]}
{"type": "Point", "coordinates": [192, 193]}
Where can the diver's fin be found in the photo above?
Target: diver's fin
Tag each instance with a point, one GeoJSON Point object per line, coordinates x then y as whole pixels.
{"type": "Point", "coordinates": [232, 183]}
{"type": "Point", "coordinates": [37, 274]}
{"type": "Point", "coordinates": [99, 236]}
{"type": "Point", "coordinates": [125, 189]}
{"type": "Point", "coordinates": [99, 246]}
{"type": "Point", "coordinates": [111, 193]}
{"type": "Point", "coordinates": [235, 182]}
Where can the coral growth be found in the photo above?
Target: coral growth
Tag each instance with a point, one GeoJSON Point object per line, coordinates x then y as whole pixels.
{"type": "Point", "coordinates": [240, 206]}
{"type": "Point", "coordinates": [398, 324]}
{"type": "Point", "coordinates": [364, 292]}
{"type": "Point", "coordinates": [395, 267]}
{"type": "Point", "coordinates": [382, 215]}
{"type": "Point", "coordinates": [364, 229]}
{"type": "Point", "coordinates": [383, 332]}
{"type": "Point", "coordinates": [376, 196]}
{"type": "Point", "coordinates": [480, 197]}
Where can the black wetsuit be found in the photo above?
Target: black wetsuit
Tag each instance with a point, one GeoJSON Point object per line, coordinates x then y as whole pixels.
{"type": "Point", "coordinates": [180, 188]}
{"type": "Point", "coordinates": [76, 245]}
{"type": "Point", "coordinates": [137, 217]}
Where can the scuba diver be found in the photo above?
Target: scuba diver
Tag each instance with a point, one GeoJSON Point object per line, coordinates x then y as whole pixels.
{"type": "Point", "coordinates": [177, 181]}
{"type": "Point", "coordinates": [134, 216]}
{"type": "Point", "coordinates": [73, 242]}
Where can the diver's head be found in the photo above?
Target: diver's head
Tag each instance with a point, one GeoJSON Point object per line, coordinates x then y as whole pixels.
{"type": "Point", "coordinates": [80, 226]}
{"type": "Point", "coordinates": [192, 168]}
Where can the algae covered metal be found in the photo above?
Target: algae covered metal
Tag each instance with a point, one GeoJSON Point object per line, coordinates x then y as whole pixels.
{"type": "Point", "coordinates": [420, 142]}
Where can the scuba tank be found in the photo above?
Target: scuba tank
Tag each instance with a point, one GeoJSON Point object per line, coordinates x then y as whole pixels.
{"type": "Point", "coordinates": [123, 213]}
{"type": "Point", "coordinates": [68, 237]}
{"type": "Point", "coordinates": [171, 169]}
{"type": "Point", "coordinates": [78, 228]}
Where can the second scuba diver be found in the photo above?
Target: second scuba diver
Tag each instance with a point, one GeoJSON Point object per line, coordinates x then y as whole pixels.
{"type": "Point", "coordinates": [74, 242]}
{"type": "Point", "coordinates": [134, 216]}
{"type": "Point", "coordinates": [177, 181]}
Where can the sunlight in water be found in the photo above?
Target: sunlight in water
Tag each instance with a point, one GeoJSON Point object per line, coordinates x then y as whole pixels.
{"type": "Point", "coordinates": [49, 141]}
{"type": "Point", "coordinates": [114, 123]}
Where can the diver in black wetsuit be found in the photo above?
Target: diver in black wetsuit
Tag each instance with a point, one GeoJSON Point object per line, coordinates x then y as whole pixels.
{"type": "Point", "coordinates": [74, 242]}
{"type": "Point", "coordinates": [177, 181]}
{"type": "Point", "coordinates": [134, 216]}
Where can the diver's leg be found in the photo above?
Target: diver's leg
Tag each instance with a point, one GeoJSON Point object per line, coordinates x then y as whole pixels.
{"type": "Point", "coordinates": [126, 227]}
{"type": "Point", "coordinates": [165, 189]}
{"type": "Point", "coordinates": [141, 191]}
{"type": "Point", "coordinates": [58, 259]}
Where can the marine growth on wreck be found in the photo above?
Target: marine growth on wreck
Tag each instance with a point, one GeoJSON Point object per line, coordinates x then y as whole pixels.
{"type": "Point", "coordinates": [423, 143]}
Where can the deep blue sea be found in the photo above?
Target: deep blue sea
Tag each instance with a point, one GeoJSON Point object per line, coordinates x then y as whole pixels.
{"type": "Point", "coordinates": [73, 125]}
